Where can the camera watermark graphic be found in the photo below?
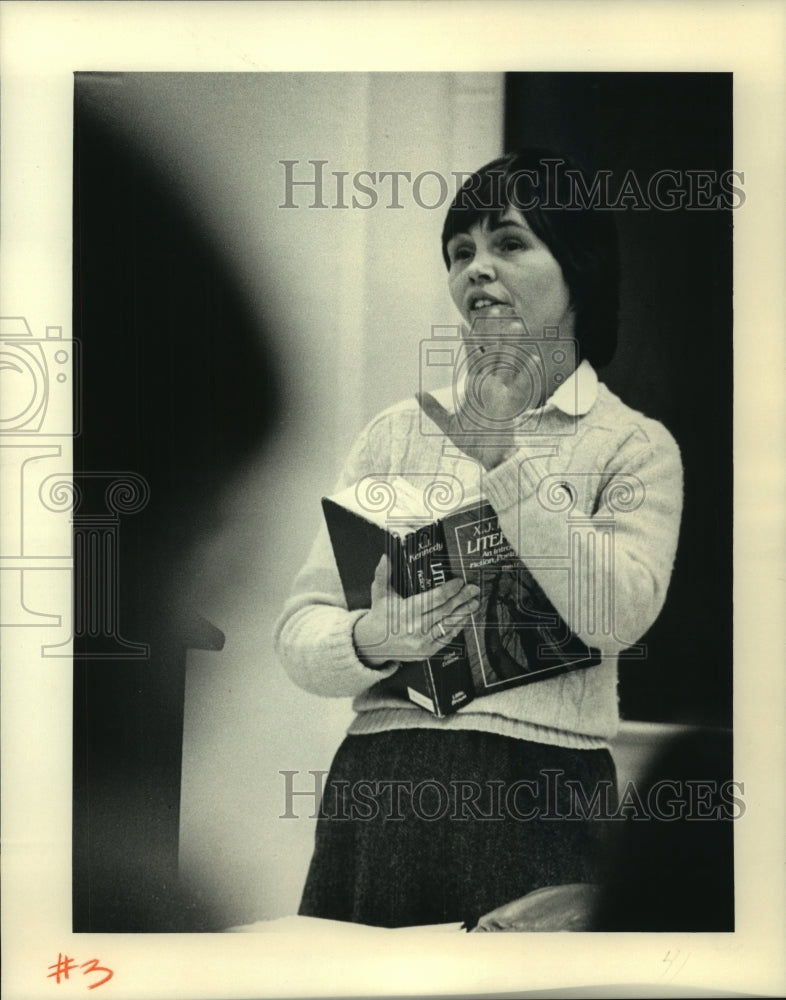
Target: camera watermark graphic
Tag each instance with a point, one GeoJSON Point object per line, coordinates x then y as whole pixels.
{"type": "Point", "coordinates": [40, 381]}
{"type": "Point", "coordinates": [548, 797]}
{"type": "Point", "coordinates": [497, 351]}
{"type": "Point", "coordinates": [52, 522]}
{"type": "Point", "coordinates": [314, 184]}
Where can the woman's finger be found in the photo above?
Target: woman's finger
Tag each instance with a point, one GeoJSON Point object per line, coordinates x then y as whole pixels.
{"type": "Point", "coordinates": [435, 411]}
{"type": "Point", "coordinates": [447, 627]}
{"type": "Point", "coordinates": [381, 582]}
{"type": "Point", "coordinates": [430, 601]}
{"type": "Point", "coordinates": [443, 600]}
{"type": "Point", "coordinates": [469, 603]}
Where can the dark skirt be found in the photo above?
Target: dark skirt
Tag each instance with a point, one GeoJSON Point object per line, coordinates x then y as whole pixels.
{"type": "Point", "coordinates": [422, 826]}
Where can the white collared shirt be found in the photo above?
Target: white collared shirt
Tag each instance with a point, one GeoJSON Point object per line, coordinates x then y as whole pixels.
{"type": "Point", "coordinates": [577, 394]}
{"type": "Point", "coordinates": [575, 397]}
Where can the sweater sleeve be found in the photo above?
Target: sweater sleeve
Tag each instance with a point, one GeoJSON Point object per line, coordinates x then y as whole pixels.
{"type": "Point", "coordinates": [601, 545]}
{"type": "Point", "coordinates": [313, 636]}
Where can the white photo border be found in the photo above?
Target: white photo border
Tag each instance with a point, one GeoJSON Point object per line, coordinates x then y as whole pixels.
{"type": "Point", "coordinates": [41, 46]}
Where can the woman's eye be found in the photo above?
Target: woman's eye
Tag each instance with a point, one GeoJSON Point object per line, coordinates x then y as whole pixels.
{"type": "Point", "coordinates": [512, 244]}
{"type": "Point", "coordinates": [461, 254]}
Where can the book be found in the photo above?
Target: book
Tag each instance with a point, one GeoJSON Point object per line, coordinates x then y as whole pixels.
{"type": "Point", "coordinates": [517, 637]}
{"type": "Point", "coordinates": [360, 537]}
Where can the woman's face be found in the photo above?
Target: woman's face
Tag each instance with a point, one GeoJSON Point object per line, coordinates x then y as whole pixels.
{"type": "Point", "coordinates": [501, 268]}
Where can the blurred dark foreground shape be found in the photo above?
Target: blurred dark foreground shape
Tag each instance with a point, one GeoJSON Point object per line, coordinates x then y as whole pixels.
{"type": "Point", "coordinates": [178, 392]}
{"type": "Point", "coordinates": [662, 874]}
{"type": "Point", "coordinates": [678, 874]}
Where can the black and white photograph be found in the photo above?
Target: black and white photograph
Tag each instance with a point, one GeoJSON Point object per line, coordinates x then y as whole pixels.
{"type": "Point", "coordinates": [377, 463]}
{"type": "Point", "coordinates": [254, 345]}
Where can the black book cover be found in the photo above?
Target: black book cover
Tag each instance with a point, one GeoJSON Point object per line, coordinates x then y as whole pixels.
{"type": "Point", "coordinates": [442, 683]}
{"type": "Point", "coordinates": [518, 637]}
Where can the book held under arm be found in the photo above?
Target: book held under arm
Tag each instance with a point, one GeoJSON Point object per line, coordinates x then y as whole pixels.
{"type": "Point", "coordinates": [517, 637]}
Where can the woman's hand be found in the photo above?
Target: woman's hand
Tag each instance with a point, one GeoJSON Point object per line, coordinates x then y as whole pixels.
{"type": "Point", "coordinates": [488, 448]}
{"type": "Point", "coordinates": [411, 628]}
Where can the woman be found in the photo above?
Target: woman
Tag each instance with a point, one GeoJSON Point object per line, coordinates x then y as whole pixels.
{"type": "Point", "coordinates": [589, 494]}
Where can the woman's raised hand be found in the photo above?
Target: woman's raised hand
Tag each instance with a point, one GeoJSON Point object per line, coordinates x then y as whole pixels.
{"type": "Point", "coordinates": [411, 628]}
{"type": "Point", "coordinates": [485, 448]}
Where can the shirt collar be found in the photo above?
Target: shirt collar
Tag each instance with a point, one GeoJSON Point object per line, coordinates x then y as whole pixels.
{"type": "Point", "coordinates": [577, 394]}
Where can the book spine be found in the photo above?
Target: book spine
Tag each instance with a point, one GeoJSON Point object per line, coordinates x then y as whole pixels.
{"type": "Point", "coordinates": [424, 553]}
{"type": "Point", "coordinates": [448, 672]}
{"type": "Point", "coordinates": [417, 568]}
{"type": "Point", "coordinates": [358, 545]}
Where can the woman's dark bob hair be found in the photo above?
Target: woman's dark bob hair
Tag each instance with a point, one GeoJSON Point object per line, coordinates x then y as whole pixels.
{"type": "Point", "coordinates": [547, 189]}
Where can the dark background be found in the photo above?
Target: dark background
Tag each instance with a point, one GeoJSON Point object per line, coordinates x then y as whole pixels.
{"type": "Point", "coordinates": [674, 359]}
{"type": "Point", "coordinates": [176, 387]}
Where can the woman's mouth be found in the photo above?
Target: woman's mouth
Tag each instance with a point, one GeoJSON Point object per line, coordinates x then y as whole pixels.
{"type": "Point", "coordinates": [484, 306]}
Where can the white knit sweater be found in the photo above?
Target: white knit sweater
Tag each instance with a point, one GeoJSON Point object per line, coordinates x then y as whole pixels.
{"type": "Point", "coordinates": [591, 501]}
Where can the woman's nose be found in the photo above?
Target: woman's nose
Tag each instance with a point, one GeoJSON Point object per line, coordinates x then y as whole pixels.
{"type": "Point", "coordinates": [481, 268]}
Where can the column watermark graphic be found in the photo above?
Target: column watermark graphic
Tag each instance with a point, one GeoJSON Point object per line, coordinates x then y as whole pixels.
{"type": "Point", "coordinates": [96, 555]}
{"type": "Point", "coordinates": [51, 522]}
